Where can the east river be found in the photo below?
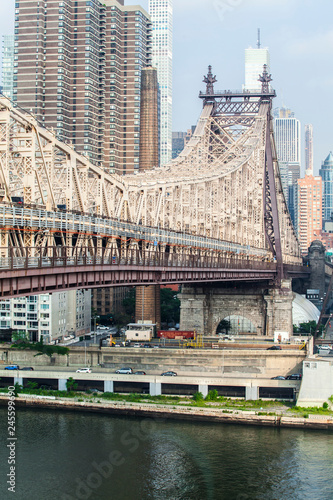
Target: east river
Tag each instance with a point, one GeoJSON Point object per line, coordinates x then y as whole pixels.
{"type": "Point", "coordinates": [68, 455]}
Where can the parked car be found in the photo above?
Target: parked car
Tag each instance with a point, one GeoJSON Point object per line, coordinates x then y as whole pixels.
{"type": "Point", "coordinates": [169, 374]}
{"type": "Point", "coordinates": [27, 368]}
{"type": "Point", "coordinates": [83, 370]}
{"type": "Point", "coordinates": [140, 373]}
{"type": "Point", "coordinates": [294, 376]}
{"type": "Point", "coordinates": [125, 371]}
{"type": "Point", "coordinates": [136, 344]}
{"type": "Point", "coordinates": [278, 377]}
{"type": "Point", "coordinates": [274, 348]}
{"type": "Point", "coordinates": [12, 367]}
{"type": "Point", "coordinates": [147, 346]}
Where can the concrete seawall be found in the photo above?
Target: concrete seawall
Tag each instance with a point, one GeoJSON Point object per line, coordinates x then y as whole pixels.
{"type": "Point", "coordinates": [164, 412]}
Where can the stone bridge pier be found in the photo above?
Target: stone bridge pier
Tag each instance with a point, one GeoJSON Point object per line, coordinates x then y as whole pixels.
{"type": "Point", "coordinates": [265, 309]}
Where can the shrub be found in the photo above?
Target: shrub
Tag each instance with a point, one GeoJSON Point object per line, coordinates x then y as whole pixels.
{"type": "Point", "coordinates": [212, 395]}
{"type": "Point", "coordinates": [198, 396]}
{"type": "Point", "coordinates": [325, 405]}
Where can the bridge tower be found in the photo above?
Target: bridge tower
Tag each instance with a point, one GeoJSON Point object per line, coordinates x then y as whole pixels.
{"type": "Point", "coordinates": [267, 306]}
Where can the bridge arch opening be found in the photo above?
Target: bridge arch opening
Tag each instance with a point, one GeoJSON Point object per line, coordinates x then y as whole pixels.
{"type": "Point", "coordinates": [236, 324]}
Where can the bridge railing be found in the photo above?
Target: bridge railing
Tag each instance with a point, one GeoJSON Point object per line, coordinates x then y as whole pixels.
{"type": "Point", "coordinates": [61, 256]}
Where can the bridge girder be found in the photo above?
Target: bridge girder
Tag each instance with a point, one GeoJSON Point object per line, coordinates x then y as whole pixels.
{"type": "Point", "coordinates": [217, 187]}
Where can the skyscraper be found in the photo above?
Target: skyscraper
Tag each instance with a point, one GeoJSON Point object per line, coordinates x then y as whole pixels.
{"type": "Point", "coordinates": [308, 149]}
{"type": "Point", "coordinates": [7, 65]}
{"type": "Point", "coordinates": [287, 131]}
{"type": "Point", "coordinates": [309, 210]}
{"type": "Point", "coordinates": [254, 62]}
{"type": "Point", "coordinates": [79, 69]}
{"type": "Point", "coordinates": [326, 173]}
{"type": "Point", "coordinates": [161, 17]}
{"type": "Point", "coordinates": [287, 136]}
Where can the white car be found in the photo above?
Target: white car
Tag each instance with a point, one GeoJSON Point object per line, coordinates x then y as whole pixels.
{"type": "Point", "coordinates": [83, 370]}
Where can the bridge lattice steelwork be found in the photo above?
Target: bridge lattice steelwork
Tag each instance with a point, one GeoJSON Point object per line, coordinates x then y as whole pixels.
{"type": "Point", "coordinates": [221, 196]}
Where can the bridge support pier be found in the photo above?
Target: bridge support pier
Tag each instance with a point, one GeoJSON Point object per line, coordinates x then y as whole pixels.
{"type": "Point", "coordinates": [279, 309]}
{"type": "Point", "coordinates": [155, 388]}
{"type": "Point", "coordinates": [252, 393]}
{"type": "Point", "coordinates": [62, 384]}
{"type": "Point", "coordinates": [253, 308]}
{"type": "Point", "coordinates": [203, 388]}
{"type": "Point", "coordinates": [18, 380]}
{"type": "Point", "coordinates": [148, 304]}
{"type": "Point", "coordinates": [108, 386]}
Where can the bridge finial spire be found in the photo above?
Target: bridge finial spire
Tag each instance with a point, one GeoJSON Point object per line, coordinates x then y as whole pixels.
{"type": "Point", "coordinates": [265, 78]}
{"type": "Point", "coordinates": [209, 80]}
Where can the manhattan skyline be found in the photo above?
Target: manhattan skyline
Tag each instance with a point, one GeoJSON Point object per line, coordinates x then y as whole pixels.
{"type": "Point", "coordinates": [217, 32]}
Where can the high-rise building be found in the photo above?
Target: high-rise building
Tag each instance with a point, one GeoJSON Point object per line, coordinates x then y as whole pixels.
{"type": "Point", "coordinates": [48, 316]}
{"type": "Point", "coordinates": [255, 58]}
{"type": "Point", "coordinates": [287, 136]}
{"type": "Point", "coordinates": [78, 69]}
{"type": "Point", "coordinates": [326, 173]}
{"type": "Point", "coordinates": [308, 149]}
{"type": "Point", "coordinates": [7, 65]}
{"type": "Point", "coordinates": [149, 120]}
{"type": "Point", "coordinates": [161, 16]}
{"type": "Point", "coordinates": [287, 132]}
{"type": "Point", "coordinates": [179, 141]}
{"type": "Point", "coordinates": [309, 210]}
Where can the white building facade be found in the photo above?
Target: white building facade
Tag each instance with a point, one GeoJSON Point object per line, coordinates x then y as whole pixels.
{"type": "Point", "coordinates": [51, 316]}
{"type": "Point", "coordinates": [161, 12]}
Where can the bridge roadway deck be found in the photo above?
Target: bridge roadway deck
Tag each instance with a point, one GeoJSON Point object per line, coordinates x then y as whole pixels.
{"type": "Point", "coordinates": [51, 279]}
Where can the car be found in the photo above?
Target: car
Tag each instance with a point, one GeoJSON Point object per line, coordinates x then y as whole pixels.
{"type": "Point", "coordinates": [147, 346]}
{"type": "Point", "coordinates": [156, 347]}
{"type": "Point", "coordinates": [278, 377]}
{"type": "Point", "coordinates": [27, 368]}
{"type": "Point", "coordinates": [274, 348]}
{"type": "Point", "coordinates": [125, 371]}
{"type": "Point", "coordinates": [169, 374]}
{"type": "Point", "coordinates": [140, 373]}
{"type": "Point", "coordinates": [294, 376]}
{"type": "Point", "coordinates": [324, 347]}
{"type": "Point", "coordinates": [83, 370]}
{"type": "Point", "coordinates": [136, 344]}
{"type": "Point", "coordinates": [12, 367]}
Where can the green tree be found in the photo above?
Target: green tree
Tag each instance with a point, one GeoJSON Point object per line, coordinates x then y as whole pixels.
{"type": "Point", "coordinates": [170, 306]}
{"type": "Point", "coordinates": [18, 335]}
{"type": "Point", "coordinates": [41, 348]}
{"type": "Point", "coordinates": [71, 385]}
{"type": "Point", "coordinates": [129, 304]}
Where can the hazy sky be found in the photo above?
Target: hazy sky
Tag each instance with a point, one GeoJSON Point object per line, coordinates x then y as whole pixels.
{"type": "Point", "coordinates": [298, 33]}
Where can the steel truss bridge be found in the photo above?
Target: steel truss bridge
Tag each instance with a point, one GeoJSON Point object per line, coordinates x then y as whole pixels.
{"type": "Point", "coordinates": [216, 212]}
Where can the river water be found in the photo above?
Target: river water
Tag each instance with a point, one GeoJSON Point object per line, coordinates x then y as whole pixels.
{"type": "Point", "coordinates": [69, 456]}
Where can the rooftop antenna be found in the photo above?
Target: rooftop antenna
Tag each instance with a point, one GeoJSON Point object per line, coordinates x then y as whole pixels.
{"type": "Point", "coordinates": [258, 41]}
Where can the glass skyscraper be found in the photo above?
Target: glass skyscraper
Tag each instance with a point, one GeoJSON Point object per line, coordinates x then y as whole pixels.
{"type": "Point", "coordinates": [7, 65]}
{"type": "Point", "coordinates": [326, 173]}
{"type": "Point", "coordinates": [161, 17]}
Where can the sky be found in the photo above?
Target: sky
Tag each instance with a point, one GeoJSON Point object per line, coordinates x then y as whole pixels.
{"type": "Point", "coordinates": [298, 33]}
